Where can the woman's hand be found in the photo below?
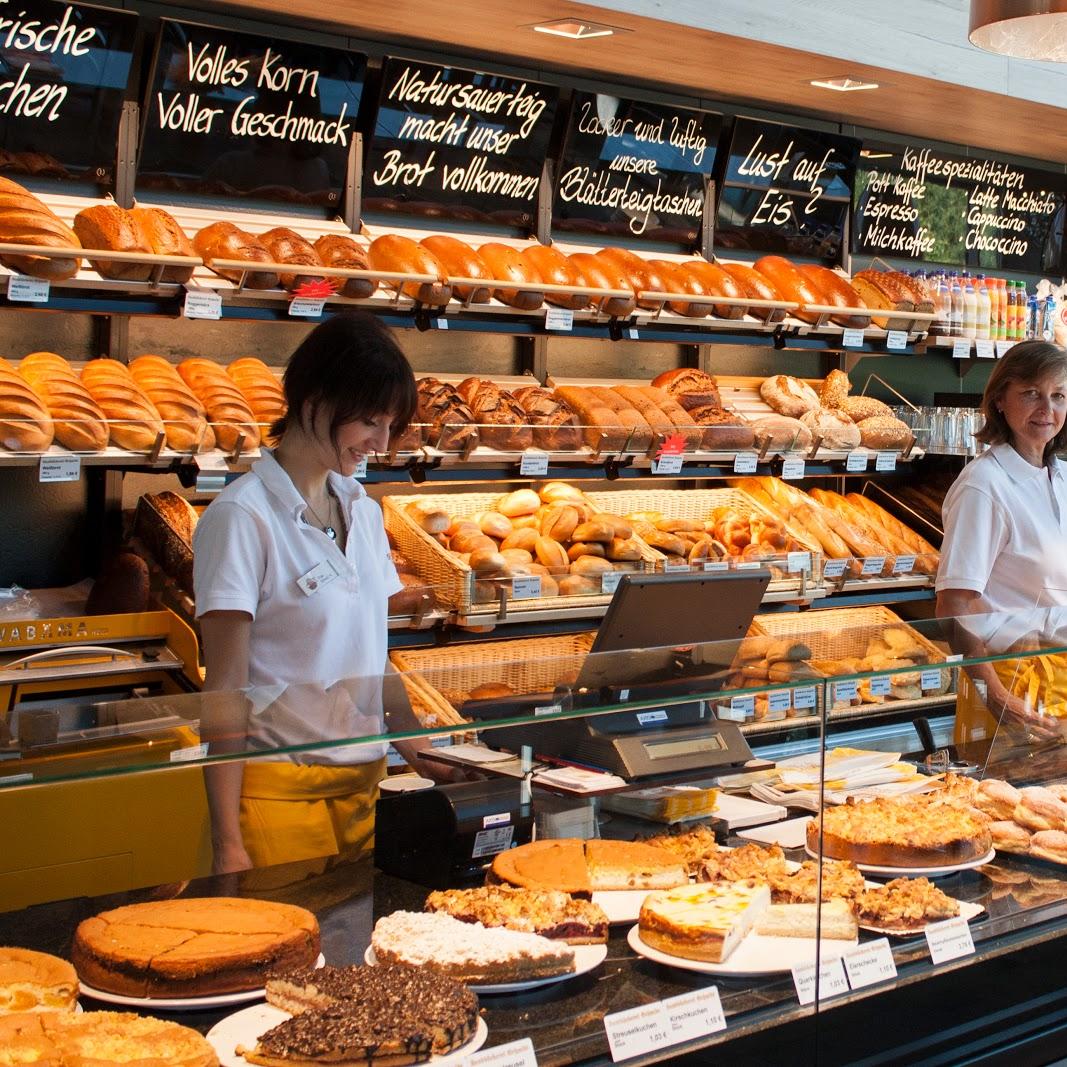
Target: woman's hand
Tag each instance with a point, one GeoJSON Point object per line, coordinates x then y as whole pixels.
{"type": "Point", "coordinates": [1017, 714]}
{"type": "Point", "coordinates": [230, 857]}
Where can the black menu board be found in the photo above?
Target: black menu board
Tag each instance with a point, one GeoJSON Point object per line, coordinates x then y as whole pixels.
{"type": "Point", "coordinates": [64, 69]}
{"type": "Point", "coordinates": [458, 143]}
{"type": "Point", "coordinates": [635, 169]}
{"type": "Point", "coordinates": [786, 190]}
{"type": "Point", "coordinates": [233, 114]}
{"type": "Point", "coordinates": [921, 203]}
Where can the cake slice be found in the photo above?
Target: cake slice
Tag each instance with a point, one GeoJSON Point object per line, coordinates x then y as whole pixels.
{"type": "Point", "coordinates": [633, 865]}
{"type": "Point", "coordinates": [35, 981]}
{"type": "Point", "coordinates": [799, 920]}
{"type": "Point", "coordinates": [702, 922]}
{"type": "Point", "coordinates": [554, 864]}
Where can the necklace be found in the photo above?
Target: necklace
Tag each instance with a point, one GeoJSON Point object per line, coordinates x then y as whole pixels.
{"type": "Point", "coordinates": [327, 527]}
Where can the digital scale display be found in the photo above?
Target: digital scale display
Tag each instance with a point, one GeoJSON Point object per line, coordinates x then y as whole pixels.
{"type": "Point", "coordinates": [669, 749]}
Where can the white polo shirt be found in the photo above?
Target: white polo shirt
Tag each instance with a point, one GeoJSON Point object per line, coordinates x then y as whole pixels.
{"type": "Point", "coordinates": [1006, 532]}
{"type": "Point", "coordinates": [251, 549]}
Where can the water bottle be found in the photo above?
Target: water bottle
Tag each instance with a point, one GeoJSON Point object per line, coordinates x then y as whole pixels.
{"type": "Point", "coordinates": [955, 326]}
{"type": "Point", "coordinates": [984, 309]}
{"type": "Point", "coordinates": [1033, 319]}
{"type": "Point", "coordinates": [942, 307]}
{"type": "Point", "coordinates": [970, 311]}
{"type": "Point", "coordinates": [1048, 319]}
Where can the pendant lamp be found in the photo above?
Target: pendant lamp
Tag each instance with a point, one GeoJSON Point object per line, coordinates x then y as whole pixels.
{"type": "Point", "coordinates": [1022, 29]}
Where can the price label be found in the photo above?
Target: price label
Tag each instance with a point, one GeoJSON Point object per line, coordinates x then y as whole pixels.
{"type": "Point", "coordinates": [637, 1031]}
{"type": "Point", "coordinates": [745, 463]}
{"type": "Point", "coordinates": [186, 755]}
{"type": "Point", "coordinates": [668, 464]}
{"type": "Point", "coordinates": [904, 565]}
{"type": "Point", "coordinates": [886, 461]}
{"type": "Point", "coordinates": [929, 680]}
{"type": "Point", "coordinates": [210, 483]}
{"type": "Point", "coordinates": [745, 705]}
{"type": "Point", "coordinates": [856, 462]}
{"type": "Point", "coordinates": [880, 686]}
{"type": "Point", "coordinates": [533, 464]}
{"type": "Point", "coordinates": [956, 657]}
{"type": "Point", "coordinates": [873, 565]}
{"type": "Point", "coordinates": [633, 334]}
{"type": "Point", "coordinates": [63, 468]}
{"type": "Point", "coordinates": [609, 581]}
{"type": "Point", "coordinates": [202, 304]}
{"type": "Point", "coordinates": [834, 568]}
{"type": "Point", "coordinates": [513, 1054]}
{"type": "Point", "coordinates": [804, 697]}
{"type": "Point", "coordinates": [526, 588]}
{"type": "Point", "coordinates": [797, 562]}
{"type": "Point", "coordinates": [852, 339]}
{"type": "Point", "coordinates": [793, 468]}
{"type": "Point", "coordinates": [561, 319]}
{"type": "Point", "coordinates": [779, 700]}
{"type": "Point", "coordinates": [306, 307]}
{"type": "Point", "coordinates": [984, 349]}
{"type": "Point", "coordinates": [896, 340]}
{"type": "Point", "coordinates": [1002, 348]}
{"type": "Point", "coordinates": [949, 940]}
{"type": "Point", "coordinates": [441, 324]}
{"type": "Point", "coordinates": [23, 290]}
{"type": "Point", "coordinates": [716, 565]}
{"type": "Point", "coordinates": [869, 964]}
{"type": "Point", "coordinates": [549, 709]}
{"type": "Point", "coordinates": [360, 470]}
{"type": "Point", "coordinates": [693, 1015]}
{"type": "Point", "coordinates": [676, 568]}
{"type": "Point", "coordinates": [831, 981]}
{"type": "Point", "coordinates": [749, 565]}
{"type": "Point", "coordinates": [961, 348]}
{"type": "Point", "coordinates": [212, 461]}
{"type": "Point", "coordinates": [845, 692]}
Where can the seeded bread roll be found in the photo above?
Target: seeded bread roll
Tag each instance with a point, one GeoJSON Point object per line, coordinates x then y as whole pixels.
{"type": "Point", "coordinates": [79, 422]}
{"type": "Point", "coordinates": [859, 408]}
{"type": "Point", "coordinates": [184, 416]}
{"type": "Point", "coordinates": [25, 424]}
{"type": "Point", "coordinates": [884, 432]}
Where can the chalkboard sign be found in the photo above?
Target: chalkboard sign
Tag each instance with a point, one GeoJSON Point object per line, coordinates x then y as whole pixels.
{"type": "Point", "coordinates": [233, 114]}
{"type": "Point", "coordinates": [635, 169]}
{"type": "Point", "coordinates": [458, 143]}
{"type": "Point", "coordinates": [785, 190]}
{"type": "Point", "coordinates": [64, 69]}
{"type": "Point", "coordinates": [920, 203]}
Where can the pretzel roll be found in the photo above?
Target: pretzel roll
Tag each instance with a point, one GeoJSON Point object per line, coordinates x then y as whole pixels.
{"type": "Point", "coordinates": [838, 293]}
{"type": "Point", "coordinates": [459, 260]}
{"type": "Point", "coordinates": [260, 388]}
{"type": "Point", "coordinates": [133, 422]}
{"type": "Point", "coordinates": [227, 410]}
{"type": "Point", "coordinates": [184, 417]}
{"type": "Point", "coordinates": [753, 284]}
{"type": "Point", "coordinates": [555, 268]}
{"type": "Point", "coordinates": [25, 424]}
{"type": "Point", "coordinates": [337, 250]}
{"type": "Point", "coordinates": [717, 282]}
{"type": "Point", "coordinates": [401, 255]}
{"type": "Point", "coordinates": [506, 264]}
{"type": "Point", "coordinates": [679, 280]}
{"type": "Point", "coordinates": [79, 422]}
{"type": "Point", "coordinates": [287, 246]}
{"type": "Point", "coordinates": [599, 273]}
{"type": "Point", "coordinates": [643, 275]}
{"type": "Point", "coordinates": [792, 284]}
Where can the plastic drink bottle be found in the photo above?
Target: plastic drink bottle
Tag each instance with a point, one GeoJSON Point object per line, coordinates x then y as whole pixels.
{"type": "Point", "coordinates": [983, 309]}
{"type": "Point", "coordinates": [955, 327]}
{"type": "Point", "coordinates": [970, 310]}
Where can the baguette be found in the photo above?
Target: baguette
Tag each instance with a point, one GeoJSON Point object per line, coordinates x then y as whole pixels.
{"type": "Point", "coordinates": [261, 390]}
{"type": "Point", "coordinates": [108, 226]}
{"type": "Point", "coordinates": [25, 424]}
{"type": "Point", "coordinates": [598, 273]}
{"type": "Point", "coordinates": [226, 408]}
{"type": "Point", "coordinates": [159, 230]}
{"type": "Point", "coordinates": [133, 422]}
{"type": "Point", "coordinates": [337, 250]}
{"type": "Point", "coordinates": [79, 422]}
{"type": "Point", "coordinates": [223, 240]}
{"type": "Point", "coordinates": [639, 431]}
{"type": "Point", "coordinates": [184, 417]}
{"type": "Point", "coordinates": [287, 246]}
{"type": "Point", "coordinates": [877, 513]}
{"type": "Point", "coordinates": [27, 220]}
{"type": "Point", "coordinates": [394, 253]}
{"type": "Point", "coordinates": [601, 427]}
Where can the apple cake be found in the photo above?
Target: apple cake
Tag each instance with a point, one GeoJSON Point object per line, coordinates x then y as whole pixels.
{"type": "Point", "coordinates": [905, 904]}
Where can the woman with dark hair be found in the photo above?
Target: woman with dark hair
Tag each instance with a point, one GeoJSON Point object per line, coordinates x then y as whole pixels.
{"type": "Point", "coordinates": [1005, 521]}
{"type": "Point", "coordinates": [292, 574]}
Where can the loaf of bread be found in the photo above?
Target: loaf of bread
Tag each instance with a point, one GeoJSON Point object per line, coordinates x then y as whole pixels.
{"type": "Point", "coordinates": [690, 387]}
{"type": "Point", "coordinates": [640, 434]}
{"type": "Point", "coordinates": [878, 514]}
{"type": "Point", "coordinates": [884, 432]}
{"type": "Point", "coordinates": [723, 431]}
{"type": "Point", "coordinates": [835, 428]}
{"type": "Point", "coordinates": [859, 408]}
{"type": "Point", "coordinates": [261, 389]}
{"type": "Point", "coordinates": [287, 246]}
{"type": "Point", "coordinates": [788, 395]}
{"type": "Point", "coordinates": [79, 422]}
{"type": "Point", "coordinates": [108, 226]}
{"type": "Point", "coordinates": [917, 290]}
{"type": "Point", "coordinates": [662, 413]}
{"type": "Point", "coordinates": [717, 282]}
{"type": "Point", "coordinates": [507, 264]}
{"type": "Point", "coordinates": [643, 275]}
{"type": "Point", "coordinates": [133, 422]}
{"type": "Point", "coordinates": [394, 253]}
{"type": "Point", "coordinates": [178, 513]}
{"type": "Point", "coordinates": [793, 284]}
{"type": "Point", "coordinates": [838, 293]}
{"type": "Point", "coordinates": [601, 428]}
{"type": "Point", "coordinates": [753, 285]}
{"type": "Point", "coordinates": [25, 424]}
{"type": "Point", "coordinates": [27, 220]}
{"type": "Point", "coordinates": [122, 586]}
{"type": "Point", "coordinates": [501, 419]}
{"type": "Point", "coordinates": [678, 280]}
{"type": "Point", "coordinates": [159, 231]}
{"type": "Point", "coordinates": [459, 260]}
{"type": "Point", "coordinates": [555, 426]}
{"type": "Point", "coordinates": [224, 240]}
{"type": "Point", "coordinates": [834, 390]}
{"type": "Point", "coordinates": [227, 410]}
{"type": "Point", "coordinates": [881, 291]}
{"type": "Point", "coordinates": [555, 268]}
{"type": "Point", "coordinates": [446, 414]}
{"type": "Point", "coordinates": [779, 432]}
{"type": "Point", "coordinates": [337, 250]}
{"type": "Point", "coordinates": [598, 273]}
{"type": "Point", "coordinates": [184, 416]}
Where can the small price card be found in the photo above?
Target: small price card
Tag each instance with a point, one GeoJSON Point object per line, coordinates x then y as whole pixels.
{"type": "Point", "coordinates": [834, 568]}
{"type": "Point", "coordinates": [441, 324]}
{"type": "Point", "coordinates": [886, 461]}
{"type": "Point", "coordinates": [832, 981]}
{"type": "Point", "coordinates": [533, 464]}
{"type": "Point", "coordinates": [23, 290]}
{"type": "Point", "coordinates": [561, 319]}
{"type": "Point", "coordinates": [306, 307]}
{"type": "Point", "coordinates": [676, 568]}
{"type": "Point", "coordinates": [804, 697]}
{"type": "Point", "coordinates": [202, 304]}
{"type": "Point", "coordinates": [716, 565]}
{"type": "Point", "coordinates": [695, 1014]}
{"type": "Point", "coordinates": [749, 565]}
{"type": "Point", "coordinates": [984, 349]}
{"type": "Point", "coordinates": [896, 340]}
{"type": "Point", "coordinates": [949, 940]}
{"type": "Point", "coordinates": [668, 463]}
{"type": "Point", "coordinates": [1002, 348]}
{"type": "Point", "coordinates": [185, 755]}
{"type": "Point", "coordinates": [869, 964]}
{"type": "Point", "coordinates": [779, 700]}
{"type": "Point", "coordinates": [609, 581]}
{"type": "Point", "coordinates": [513, 1054]}
{"type": "Point", "coordinates": [62, 468]}
{"type": "Point", "coordinates": [746, 705]}
{"type": "Point", "coordinates": [961, 348]}
{"type": "Point", "coordinates": [637, 1031]}
{"type": "Point", "coordinates": [212, 461]}
{"type": "Point", "coordinates": [873, 565]}
{"type": "Point", "coordinates": [904, 565]}
{"type": "Point", "coordinates": [360, 470]}
{"type": "Point", "coordinates": [929, 680]}
{"type": "Point", "coordinates": [852, 339]}
{"type": "Point", "coordinates": [527, 587]}
{"type": "Point", "coordinates": [549, 709]}
{"type": "Point", "coordinates": [793, 468]}
{"type": "Point", "coordinates": [745, 463]}
{"type": "Point", "coordinates": [845, 691]}
{"type": "Point", "coordinates": [856, 462]}
{"type": "Point", "coordinates": [880, 686]}
{"type": "Point", "coordinates": [797, 562]}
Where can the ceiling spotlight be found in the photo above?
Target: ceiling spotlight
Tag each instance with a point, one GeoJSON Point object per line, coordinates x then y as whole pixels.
{"type": "Point", "coordinates": [1022, 29]}
{"type": "Point", "coordinates": [576, 30]}
{"type": "Point", "coordinates": [843, 85]}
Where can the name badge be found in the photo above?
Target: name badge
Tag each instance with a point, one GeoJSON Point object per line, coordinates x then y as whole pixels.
{"type": "Point", "coordinates": [320, 575]}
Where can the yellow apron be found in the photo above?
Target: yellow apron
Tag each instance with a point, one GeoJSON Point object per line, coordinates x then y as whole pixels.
{"type": "Point", "coordinates": [321, 814]}
{"type": "Point", "coordinates": [1041, 678]}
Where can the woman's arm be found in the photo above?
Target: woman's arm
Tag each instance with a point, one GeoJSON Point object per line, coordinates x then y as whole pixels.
{"type": "Point", "coordinates": [226, 637]}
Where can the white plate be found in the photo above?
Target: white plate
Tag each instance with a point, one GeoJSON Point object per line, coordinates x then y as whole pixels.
{"type": "Point", "coordinates": [245, 1027]}
{"type": "Point", "coordinates": [915, 872]}
{"type": "Point", "coordinates": [621, 905]}
{"type": "Point", "coordinates": [789, 834]}
{"type": "Point", "coordinates": [221, 1000]}
{"type": "Point", "coordinates": [586, 957]}
{"type": "Point", "coordinates": [756, 955]}
{"type": "Point", "coordinates": [968, 911]}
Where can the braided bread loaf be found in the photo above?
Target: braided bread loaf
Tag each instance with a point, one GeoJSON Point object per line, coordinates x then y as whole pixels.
{"type": "Point", "coordinates": [183, 415]}
{"type": "Point", "coordinates": [25, 425]}
{"type": "Point", "coordinates": [261, 389]}
{"type": "Point", "coordinates": [133, 421]}
{"type": "Point", "coordinates": [79, 422]}
{"type": "Point", "coordinates": [26, 220]}
{"type": "Point", "coordinates": [227, 409]}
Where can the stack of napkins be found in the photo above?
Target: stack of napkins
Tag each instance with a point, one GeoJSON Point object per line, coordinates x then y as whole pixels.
{"type": "Point", "coordinates": [578, 779]}
{"type": "Point", "coordinates": [665, 803]}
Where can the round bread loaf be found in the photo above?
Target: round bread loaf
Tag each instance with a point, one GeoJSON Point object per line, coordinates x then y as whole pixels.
{"type": "Point", "coordinates": [863, 407]}
{"type": "Point", "coordinates": [788, 395]}
{"type": "Point", "coordinates": [884, 432]}
{"type": "Point", "coordinates": [780, 432]}
{"type": "Point", "coordinates": [837, 430]}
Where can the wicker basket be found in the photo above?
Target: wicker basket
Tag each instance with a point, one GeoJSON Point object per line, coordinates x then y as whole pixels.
{"type": "Point", "coordinates": [438, 679]}
{"type": "Point", "coordinates": [452, 579]}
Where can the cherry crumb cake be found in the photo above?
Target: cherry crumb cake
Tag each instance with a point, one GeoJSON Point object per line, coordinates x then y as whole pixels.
{"type": "Point", "coordinates": [904, 904]}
